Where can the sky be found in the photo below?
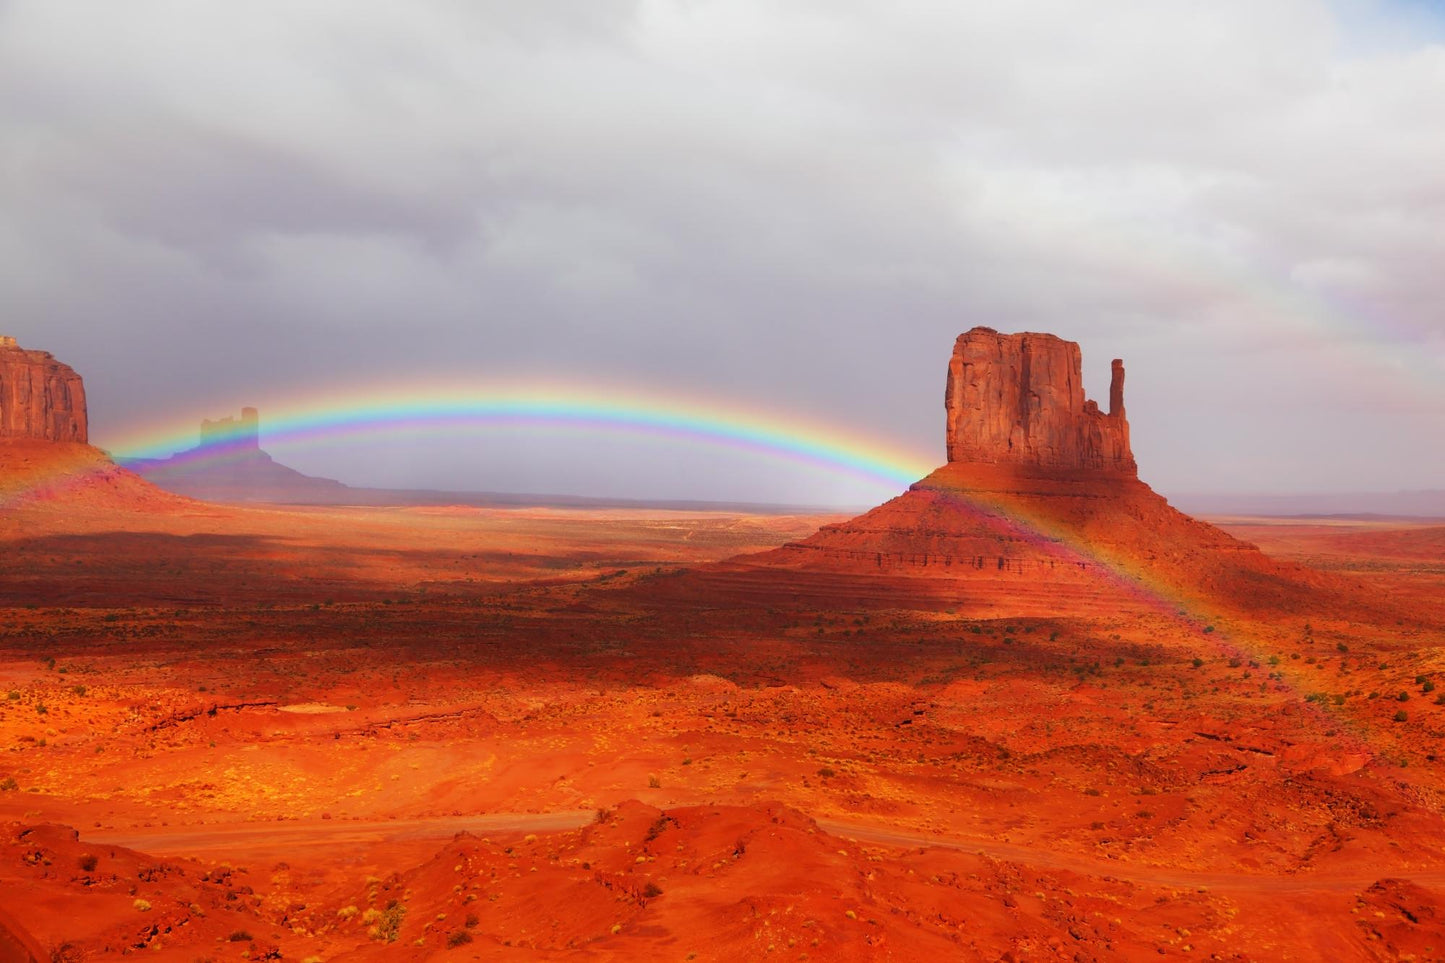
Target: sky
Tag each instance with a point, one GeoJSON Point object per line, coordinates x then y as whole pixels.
{"type": "Point", "coordinates": [785, 210]}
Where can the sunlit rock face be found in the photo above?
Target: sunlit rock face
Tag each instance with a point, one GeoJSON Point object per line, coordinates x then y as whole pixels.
{"type": "Point", "coordinates": [1018, 399]}
{"type": "Point", "coordinates": [39, 397]}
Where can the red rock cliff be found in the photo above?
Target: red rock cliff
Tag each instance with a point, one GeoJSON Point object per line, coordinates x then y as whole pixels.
{"type": "Point", "coordinates": [1018, 399]}
{"type": "Point", "coordinates": [39, 396]}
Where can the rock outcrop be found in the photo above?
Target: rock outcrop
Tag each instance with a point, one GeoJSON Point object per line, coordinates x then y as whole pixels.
{"type": "Point", "coordinates": [1018, 399]}
{"type": "Point", "coordinates": [40, 398]}
{"type": "Point", "coordinates": [1039, 512]}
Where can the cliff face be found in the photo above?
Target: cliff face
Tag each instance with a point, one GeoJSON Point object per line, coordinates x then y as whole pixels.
{"type": "Point", "coordinates": [39, 397]}
{"type": "Point", "coordinates": [1018, 399]}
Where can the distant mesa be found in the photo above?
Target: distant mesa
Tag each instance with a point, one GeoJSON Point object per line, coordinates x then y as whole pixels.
{"type": "Point", "coordinates": [40, 398]}
{"type": "Point", "coordinates": [228, 465]}
{"type": "Point", "coordinates": [243, 434]}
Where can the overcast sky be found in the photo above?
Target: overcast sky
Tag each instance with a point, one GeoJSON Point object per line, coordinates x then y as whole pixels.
{"type": "Point", "coordinates": [797, 205]}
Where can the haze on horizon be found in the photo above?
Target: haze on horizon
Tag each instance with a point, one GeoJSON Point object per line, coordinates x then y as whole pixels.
{"type": "Point", "coordinates": [787, 207]}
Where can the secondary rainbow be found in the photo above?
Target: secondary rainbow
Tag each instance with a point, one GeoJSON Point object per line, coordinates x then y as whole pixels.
{"type": "Point", "coordinates": [378, 413]}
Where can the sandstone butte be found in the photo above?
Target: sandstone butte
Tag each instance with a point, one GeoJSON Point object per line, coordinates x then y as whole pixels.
{"type": "Point", "coordinates": [1038, 510]}
{"type": "Point", "coordinates": [40, 398]}
{"type": "Point", "coordinates": [1018, 399]}
{"type": "Point", "coordinates": [45, 455]}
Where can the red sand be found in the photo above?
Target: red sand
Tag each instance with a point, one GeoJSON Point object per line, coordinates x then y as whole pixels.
{"type": "Point", "coordinates": [267, 725]}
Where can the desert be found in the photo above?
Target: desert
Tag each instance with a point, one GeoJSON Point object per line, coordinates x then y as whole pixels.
{"type": "Point", "coordinates": [1024, 710]}
{"type": "Point", "coordinates": [722, 481]}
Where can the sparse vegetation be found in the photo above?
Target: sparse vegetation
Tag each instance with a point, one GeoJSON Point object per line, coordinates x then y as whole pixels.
{"type": "Point", "coordinates": [386, 925]}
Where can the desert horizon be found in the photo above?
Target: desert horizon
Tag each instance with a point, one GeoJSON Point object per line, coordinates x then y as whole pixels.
{"type": "Point", "coordinates": [1023, 709]}
{"type": "Point", "coordinates": [685, 480]}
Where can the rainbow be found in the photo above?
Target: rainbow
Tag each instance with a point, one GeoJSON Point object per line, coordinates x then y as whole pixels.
{"type": "Point", "coordinates": [378, 413]}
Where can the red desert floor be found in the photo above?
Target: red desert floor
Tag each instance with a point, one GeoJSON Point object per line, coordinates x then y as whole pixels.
{"type": "Point", "coordinates": [395, 734]}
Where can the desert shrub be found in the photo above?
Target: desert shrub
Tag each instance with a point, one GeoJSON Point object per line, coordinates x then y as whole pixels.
{"type": "Point", "coordinates": [13, 695]}
{"type": "Point", "coordinates": [40, 708]}
{"type": "Point", "coordinates": [655, 830]}
{"type": "Point", "coordinates": [653, 782]}
{"type": "Point", "coordinates": [1403, 696]}
{"type": "Point", "coordinates": [459, 938]}
{"type": "Point", "coordinates": [388, 923]}
{"type": "Point", "coordinates": [1401, 715]}
{"type": "Point", "coordinates": [1198, 662]}
{"type": "Point", "coordinates": [143, 905]}
{"type": "Point", "coordinates": [88, 863]}
{"type": "Point", "coordinates": [346, 912]}
{"type": "Point", "coordinates": [78, 689]}
{"type": "Point", "coordinates": [8, 784]}
{"type": "Point", "coordinates": [826, 773]}
{"type": "Point", "coordinates": [239, 936]}
{"type": "Point", "coordinates": [651, 890]}
{"type": "Point", "coordinates": [1427, 686]}
{"type": "Point", "coordinates": [471, 920]}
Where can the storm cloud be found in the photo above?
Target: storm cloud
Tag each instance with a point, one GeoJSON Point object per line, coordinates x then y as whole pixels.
{"type": "Point", "coordinates": [796, 206]}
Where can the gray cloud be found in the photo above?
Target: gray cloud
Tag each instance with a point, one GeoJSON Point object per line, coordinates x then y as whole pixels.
{"type": "Point", "coordinates": [795, 206]}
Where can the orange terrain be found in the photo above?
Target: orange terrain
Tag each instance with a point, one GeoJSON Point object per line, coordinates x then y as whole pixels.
{"type": "Point", "coordinates": [992, 719]}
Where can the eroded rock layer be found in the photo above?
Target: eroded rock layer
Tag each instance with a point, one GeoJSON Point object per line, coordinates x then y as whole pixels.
{"type": "Point", "coordinates": [1018, 399]}
{"type": "Point", "coordinates": [39, 397]}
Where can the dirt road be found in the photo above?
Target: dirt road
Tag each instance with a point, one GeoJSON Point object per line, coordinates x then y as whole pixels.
{"type": "Point", "coordinates": [286, 836]}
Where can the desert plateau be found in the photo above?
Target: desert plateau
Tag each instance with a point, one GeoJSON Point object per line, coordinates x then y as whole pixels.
{"type": "Point", "coordinates": [1025, 710]}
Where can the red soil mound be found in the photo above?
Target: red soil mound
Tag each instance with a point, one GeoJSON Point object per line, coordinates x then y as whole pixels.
{"type": "Point", "coordinates": [76, 478]}
{"type": "Point", "coordinates": [988, 538]}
